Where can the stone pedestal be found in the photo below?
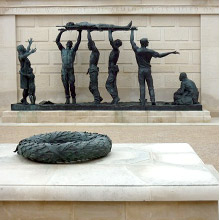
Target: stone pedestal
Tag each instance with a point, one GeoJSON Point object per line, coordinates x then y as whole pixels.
{"type": "Point", "coordinates": [135, 180]}
{"type": "Point", "coordinates": [106, 116]}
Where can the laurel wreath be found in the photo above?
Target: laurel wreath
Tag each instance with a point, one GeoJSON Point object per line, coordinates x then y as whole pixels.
{"type": "Point", "coordinates": [64, 147]}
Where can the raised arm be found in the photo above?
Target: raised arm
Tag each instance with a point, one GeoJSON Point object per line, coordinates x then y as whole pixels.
{"type": "Point", "coordinates": [26, 54]}
{"type": "Point", "coordinates": [160, 55]}
{"type": "Point", "coordinates": [29, 44]}
{"type": "Point", "coordinates": [60, 46]}
{"type": "Point", "coordinates": [75, 48]}
{"type": "Point", "coordinates": [89, 36]}
{"type": "Point", "coordinates": [90, 41]}
{"type": "Point", "coordinates": [110, 38]}
{"type": "Point", "coordinates": [133, 44]}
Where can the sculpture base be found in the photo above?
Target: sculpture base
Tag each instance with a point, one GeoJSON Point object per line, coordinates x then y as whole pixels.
{"type": "Point", "coordinates": [165, 181]}
{"type": "Point", "coordinates": [131, 172]}
{"type": "Point", "coordinates": [89, 116]}
{"type": "Point", "coordinates": [121, 106]}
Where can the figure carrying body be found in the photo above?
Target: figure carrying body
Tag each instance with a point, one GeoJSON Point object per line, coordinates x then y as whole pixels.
{"type": "Point", "coordinates": [143, 57]}
{"type": "Point", "coordinates": [67, 73]}
{"type": "Point", "coordinates": [26, 73]}
{"type": "Point", "coordinates": [113, 69]}
{"type": "Point", "coordinates": [98, 27]}
{"type": "Point", "coordinates": [93, 69]}
{"type": "Point", "coordinates": [188, 93]}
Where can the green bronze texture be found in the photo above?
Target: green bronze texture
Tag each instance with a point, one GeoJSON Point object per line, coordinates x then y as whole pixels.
{"type": "Point", "coordinates": [64, 147]}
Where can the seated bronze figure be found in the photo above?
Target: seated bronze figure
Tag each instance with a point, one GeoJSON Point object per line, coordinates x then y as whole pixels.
{"type": "Point", "coordinates": [188, 93]}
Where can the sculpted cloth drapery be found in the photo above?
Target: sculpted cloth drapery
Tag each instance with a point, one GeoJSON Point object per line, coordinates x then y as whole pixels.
{"type": "Point", "coordinates": [98, 27]}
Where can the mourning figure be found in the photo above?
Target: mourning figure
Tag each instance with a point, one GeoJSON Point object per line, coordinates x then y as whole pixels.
{"type": "Point", "coordinates": [98, 27]}
{"type": "Point", "coordinates": [93, 69]}
{"type": "Point", "coordinates": [188, 93]}
{"type": "Point", "coordinates": [143, 57]}
{"type": "Point", "coordinates": [67, 72]}
{"type": "Point", "coordinates": [26, 73]}
{"type": "Point", "coordinates": [113, 69]}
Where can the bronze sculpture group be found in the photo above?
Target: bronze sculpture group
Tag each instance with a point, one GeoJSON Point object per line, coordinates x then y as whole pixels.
{"type": "Point", "coordinates": [186, 95]}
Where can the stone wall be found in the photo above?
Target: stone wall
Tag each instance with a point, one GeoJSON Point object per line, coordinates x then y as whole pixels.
{"type": "Point", "coordinates": [166, 33]}
{"type": "Point", "coordinates": [8, 82]}
{"type": "Point", "coordinates": [109, 210]}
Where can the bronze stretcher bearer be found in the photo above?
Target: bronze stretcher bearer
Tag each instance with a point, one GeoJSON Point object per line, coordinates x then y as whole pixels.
{"type": "Point", "coordinates": [113, 69]}
{"type": "Point", "coordinates": [67, 73]}
{"type": "Point", "coordinates": [93, 69]}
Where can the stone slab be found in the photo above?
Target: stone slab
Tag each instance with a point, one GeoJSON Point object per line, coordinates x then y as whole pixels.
{"type": "Point", "coordinates": [121, 106]}
{"type": "Point", "coordinates": [131, 172]}
{"type": "Point", "coordinates": [79, 116]}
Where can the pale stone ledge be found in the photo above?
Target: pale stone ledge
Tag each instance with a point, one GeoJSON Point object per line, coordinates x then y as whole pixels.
{"type": "Point", "coordinates": [131, 172]}
{"type": "Point", "coordinates": [106, 116]}
{"type": "Point", "coordinates": [108, 9]}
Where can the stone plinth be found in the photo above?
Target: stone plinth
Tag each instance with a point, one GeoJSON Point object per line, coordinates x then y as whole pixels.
{"type": "Point", "coordinates": [131, 172]}
{"type": "Point", "coordinates": [106, 116]}
{"type": "Point", "coordinates": [133, 181]}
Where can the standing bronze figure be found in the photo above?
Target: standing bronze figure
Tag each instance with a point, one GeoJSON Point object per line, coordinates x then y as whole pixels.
{"type": "Point", "coordinates": [187, 94]}
{"type": "Point", "coordinates": [113, 69]}
{"type": "Point", "coordinates": [143, 57]}
{"type": "Point", "coordinates": [26, 73]}
{"type": "Point", "coordinates": [67, 73]}
{"type": "Point", "coordinates": [93, 69]}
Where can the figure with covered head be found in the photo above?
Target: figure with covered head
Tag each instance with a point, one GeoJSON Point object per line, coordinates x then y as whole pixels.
{"type": "Point", "coordinates": [187, 94]}
{"type": "Point", "coordinates": [143, 57]}
{"type": "Point", "coordinates": [67, 72]}
{"type": "Point", "coordinates": [113, 69]}
{"type": "Point", "coordinates": [26, 73]}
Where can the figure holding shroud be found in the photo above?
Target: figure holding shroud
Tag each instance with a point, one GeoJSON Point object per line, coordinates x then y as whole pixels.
{"type": "Point", "coordinates": [67, 72]}
{"type": "Point", "coordinates": [93, 69]}
{"type": "Point", "coordinates": [113, 69]}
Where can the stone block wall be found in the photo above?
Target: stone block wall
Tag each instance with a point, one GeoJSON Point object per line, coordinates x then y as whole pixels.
{"type": "Point", "coordinates": [165, 33]}
{"type": "Point", "coordinates": [201, 210]}
{"type": "Point", "coordinates": [8, 84]}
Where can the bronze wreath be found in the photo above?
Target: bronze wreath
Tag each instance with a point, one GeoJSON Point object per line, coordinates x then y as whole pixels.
{"type": "Point", "coordinates": [64, 147]}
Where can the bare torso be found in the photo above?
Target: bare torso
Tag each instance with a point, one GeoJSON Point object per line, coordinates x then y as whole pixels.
{"type": "Point", "coordinates": [113, 57]}
{"type": "Point", "coordinates": [68, 58]}
{"type": "Point", "coordinates": [94, 58]}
